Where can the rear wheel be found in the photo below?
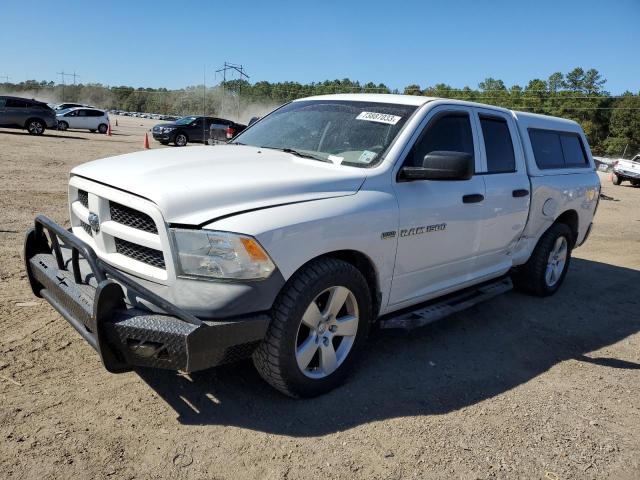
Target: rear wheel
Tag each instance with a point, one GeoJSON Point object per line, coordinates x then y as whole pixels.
{"type": "Point", "coordinates": [102, 128]}
{"type": "Point", "coordinates": [181, 140]}
{"type": "Point", "coordinates": [543, 274]}
{"type": "Point", "coordinates": [35, 127]}
{"type": "Point", "coordinates": [319, 324]}
{"type": "Point", "coordinates": [616, 179]}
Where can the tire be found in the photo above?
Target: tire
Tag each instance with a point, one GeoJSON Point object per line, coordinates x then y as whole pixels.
{"type": "Point", "coordinates": [63, 126]}
{"type": "Point", "coordinates": [534, 276]}
{"type": "Point", "coordinates": [295, 358]}
{"type": "Point", "coordinates": [180, 139]}
{"type": "Point", "coordinates": [102, 128]}
{"type": "Point", "coordinates": [616, 179]}
{"type": "Point", "coordinates": [36, 126]}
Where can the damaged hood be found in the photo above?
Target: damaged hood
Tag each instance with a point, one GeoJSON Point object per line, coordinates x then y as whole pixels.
{"type": "Point", "coordinates": [195, 185]}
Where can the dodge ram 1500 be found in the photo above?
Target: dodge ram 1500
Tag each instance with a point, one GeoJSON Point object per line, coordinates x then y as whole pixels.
{"type": "Point", "coordinates": [322, 218]}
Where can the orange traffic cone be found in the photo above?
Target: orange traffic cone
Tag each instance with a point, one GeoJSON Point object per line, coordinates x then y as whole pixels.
{"type": "Point", "coordinates": [109, 129]}
{"type": "Point", "coordinates": [146, 141]}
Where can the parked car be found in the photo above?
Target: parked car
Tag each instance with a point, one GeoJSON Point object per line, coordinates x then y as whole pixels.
{"type": "Point", "coordinates": [65, 106]}
{"type": "Point", "coordinates": [624, 170]}
{"type": "Point", "coordinates": [29, 114]}
{"type": "Point", "coordinates": [192, 128]}
{"type": "Point", "coordinates": [82, 118]}
{"type": "Point", "coordinates": [222, 130]}
{"type": "Point", "coordinates": [328, 215]}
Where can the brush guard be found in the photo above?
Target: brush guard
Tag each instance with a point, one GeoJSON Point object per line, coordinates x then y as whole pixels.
{"type": "Point", "coordinates": [125, 336]}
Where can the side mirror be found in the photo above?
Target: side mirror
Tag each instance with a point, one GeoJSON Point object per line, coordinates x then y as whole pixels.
{"type": "Point", "coordinates": [442, 165]}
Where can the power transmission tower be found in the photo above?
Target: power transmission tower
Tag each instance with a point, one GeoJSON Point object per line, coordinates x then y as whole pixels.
{"type": "Point", "coordinates": [240, 70]}
{"type": "Point", "coordinates": [63, 75]}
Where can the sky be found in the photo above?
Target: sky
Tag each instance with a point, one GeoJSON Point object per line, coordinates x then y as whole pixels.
{"type": "Point", "coordinates": [173, 43]}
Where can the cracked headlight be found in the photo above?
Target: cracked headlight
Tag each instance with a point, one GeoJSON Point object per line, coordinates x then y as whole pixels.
{"type": "Point", "coordinates": [223, 255]}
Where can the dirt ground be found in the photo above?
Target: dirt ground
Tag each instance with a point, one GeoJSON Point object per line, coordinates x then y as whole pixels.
{"type": "Point", "coordinates": [518, 387]}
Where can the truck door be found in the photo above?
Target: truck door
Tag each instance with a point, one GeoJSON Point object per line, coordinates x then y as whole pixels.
{"type": "Point", "coordinates": [507, 197]}
{"type": "Point", "coordinates": [439, 221]}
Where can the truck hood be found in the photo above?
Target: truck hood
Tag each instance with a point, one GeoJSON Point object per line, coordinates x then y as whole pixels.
{"type": "Point", "coordinates": [195, 185]}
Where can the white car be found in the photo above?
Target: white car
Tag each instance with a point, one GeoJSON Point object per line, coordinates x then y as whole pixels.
{"type": "Point", "coordinates": [83, 118]}
{"type": "Point", "coordinates": [328, 215]}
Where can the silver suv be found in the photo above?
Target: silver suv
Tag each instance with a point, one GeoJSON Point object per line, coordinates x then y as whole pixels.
{"type": "Point", "coordinates": [34, 116]}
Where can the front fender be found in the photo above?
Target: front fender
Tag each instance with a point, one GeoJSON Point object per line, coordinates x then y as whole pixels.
{"type": "Point", "coordinates": [296, 233]}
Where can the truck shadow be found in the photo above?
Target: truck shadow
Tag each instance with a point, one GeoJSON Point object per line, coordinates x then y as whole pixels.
{"type": "Point", "coordinates": [457, 362]}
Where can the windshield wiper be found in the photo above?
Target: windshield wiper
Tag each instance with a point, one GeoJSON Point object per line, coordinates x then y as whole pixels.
{"type": "Point", "coordinates": [300, 154]}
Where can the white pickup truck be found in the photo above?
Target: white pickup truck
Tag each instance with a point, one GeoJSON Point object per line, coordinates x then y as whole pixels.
{"type": "Point", "coordinates": [326, 216]}
{"type": "Point", "coordinates": [626, 170]}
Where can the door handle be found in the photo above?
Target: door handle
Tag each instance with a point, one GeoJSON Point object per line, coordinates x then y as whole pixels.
{"type": "Point", "coordinates": [522, 192]}
{"type": "Point", "coordinates": [472, 198]}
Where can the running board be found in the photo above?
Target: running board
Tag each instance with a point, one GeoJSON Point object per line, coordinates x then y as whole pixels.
{"type": "Point", "coordinates": [453, 303]}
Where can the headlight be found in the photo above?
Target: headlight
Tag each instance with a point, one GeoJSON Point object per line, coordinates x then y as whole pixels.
{"type": "Point", "coordinates": [212, 254]}
{"type": "Point", "coordinates": [167, 129]}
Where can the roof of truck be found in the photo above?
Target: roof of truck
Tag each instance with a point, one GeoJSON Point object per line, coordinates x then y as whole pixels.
{"type": "Point", "coordinates": [531, 119]}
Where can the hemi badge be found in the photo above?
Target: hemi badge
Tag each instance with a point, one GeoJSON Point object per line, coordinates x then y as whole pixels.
{"type": "Point", "coordinates": [386, 235]}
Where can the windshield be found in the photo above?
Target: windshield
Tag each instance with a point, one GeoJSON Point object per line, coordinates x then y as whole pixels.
{"type": "Point", "coordinates": [343, 132]}
{"type": "Point", "coordinates": [186, 120]}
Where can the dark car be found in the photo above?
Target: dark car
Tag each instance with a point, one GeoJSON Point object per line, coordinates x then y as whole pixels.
{"type": "Point", "coordinates": [65, 106]}
{"type": "Point", "coordinates": [184, 130]}
{"type": "Point", "coordinates": [34, 116]}
{"type": "Point", "coordinates": [222, 130]}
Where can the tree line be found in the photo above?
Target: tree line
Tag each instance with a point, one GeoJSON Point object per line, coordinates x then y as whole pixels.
{"type": "Point", "coordinates": [611, 122]}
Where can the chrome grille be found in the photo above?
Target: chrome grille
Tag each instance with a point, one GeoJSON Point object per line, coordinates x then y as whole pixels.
{"type": "Point", "coordinates": [143, 254]}
{"type": "Point", "coordinates": [132, 218]}
{"type": "Point", "coordinates": [83, 197]}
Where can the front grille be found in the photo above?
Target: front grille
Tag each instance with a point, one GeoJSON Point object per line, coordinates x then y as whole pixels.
{"type": "Point", "coordinates": [147, 255]}
{"type": "Point", "coordinates": [86, 227]}
{"type": "Point", "coordinates": [132, 218]}
{"type": "Point", "coordinates": [83, 197]}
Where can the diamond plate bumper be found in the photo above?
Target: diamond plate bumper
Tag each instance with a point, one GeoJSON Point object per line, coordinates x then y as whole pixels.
{"type": "Point", "coordinates": [126, 336]}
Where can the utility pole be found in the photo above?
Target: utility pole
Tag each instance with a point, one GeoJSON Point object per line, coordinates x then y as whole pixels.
{"type": "Point", "coordinates": [230, 66]}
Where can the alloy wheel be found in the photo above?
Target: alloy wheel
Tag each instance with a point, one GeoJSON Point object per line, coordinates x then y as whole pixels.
{"type": "Point", "coordinates": [327, 332]}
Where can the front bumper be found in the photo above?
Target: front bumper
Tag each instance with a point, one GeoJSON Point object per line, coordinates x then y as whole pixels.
{"type": "Point", "coordinates": [635, 175]}
{"type": "Point", "coordinates": [125, 336]}
{"type": "Point", "coordinates": [162, 137]}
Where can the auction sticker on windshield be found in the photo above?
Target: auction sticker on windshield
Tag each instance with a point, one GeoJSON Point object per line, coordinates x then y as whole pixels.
{"type": "Point", "coordinates": [379, 117]}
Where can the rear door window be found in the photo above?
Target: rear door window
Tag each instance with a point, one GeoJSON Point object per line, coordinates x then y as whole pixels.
{"type": "Point", "coordinates": [15, 103]}
{"type": "Point", "coordinates": [498, 145]}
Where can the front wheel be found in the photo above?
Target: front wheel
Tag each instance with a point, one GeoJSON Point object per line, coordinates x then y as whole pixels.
{"type": "Point", "coordinates": [543, 274]}
{"type": "Point", "coordinates": [180, 140]}
{"type": "Point", "coordinates": [35, 127]}
{"type": "Point", "coordinates": [319, 323]}
{"type": "Point", "coordinates": [617, 180]}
